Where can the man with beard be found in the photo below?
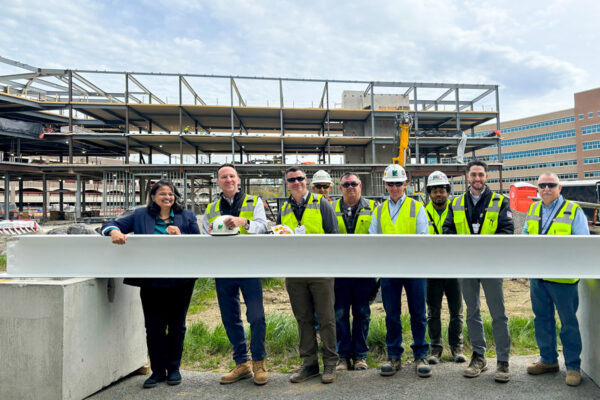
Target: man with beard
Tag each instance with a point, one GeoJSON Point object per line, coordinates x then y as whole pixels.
{"type": "Point", "coordinates": [479, 211]}
{"type": "Point", "coordinates": [438, 188]}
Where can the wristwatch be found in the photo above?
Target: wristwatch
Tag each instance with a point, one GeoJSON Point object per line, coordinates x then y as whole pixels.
{"type": "Point", "coordinates": [247, 224]}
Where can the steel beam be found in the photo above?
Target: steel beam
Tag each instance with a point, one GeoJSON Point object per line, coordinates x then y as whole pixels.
{"type": "Point", "coordinates": [60, 256]}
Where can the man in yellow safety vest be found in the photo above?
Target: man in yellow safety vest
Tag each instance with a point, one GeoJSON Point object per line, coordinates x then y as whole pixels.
{"type": "Point", "coordinates": [438, 188]}
{"type": "Point", "coordinates": [554, 215]}
{"type": "Point", "coordinates": [479, 211]}
{"type": "Point", "coordinates": [310, 213]}
{"type": "Point", "coordinates": [248, 214]}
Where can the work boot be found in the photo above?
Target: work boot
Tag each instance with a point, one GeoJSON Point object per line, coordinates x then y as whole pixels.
{"type": "Point", "coordinates": [435, 357]}
{"type": "Point", "coordinates": [154, 380]}
{"type": "Point", "coordinates": [501, 374]}
{"type": "Point", "coordinates": [306, 372]}
{"type": "Point", "coordinates": [476, 367]}
{"type": "Point", "coordinates": [342, 365]}
{"type": "Point", "coordinates": [423, 368]}
{"type": "Point", "coordinates": [573, 377]}
{"type": "Point", "coordinates": [539, 367]}
{"type": "Point", "coordinates": [328, 374]}
{"type": "Point", "coordinates": [392, 366]}
{"type": "Point", "coordinates": [458, 356]}
{"type": "Point", "coordinates": [261, 374]}
{"type": "Point", "coordinates": [361, 364]}
{"type": "Point", "coordinates": [241, 371]}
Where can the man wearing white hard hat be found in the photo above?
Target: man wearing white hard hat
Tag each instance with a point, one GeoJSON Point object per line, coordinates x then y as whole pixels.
{"type": "Point", "coordinates": [399, 214]}
{"type": "Point", "coordinates": [248, 215]}
{"type": "Point", "coordinates": [322, 184]}
{"type": "Point", "coordinates": [438, 188]}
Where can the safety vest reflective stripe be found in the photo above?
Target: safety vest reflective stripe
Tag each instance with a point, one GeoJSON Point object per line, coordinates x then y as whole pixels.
{"type": "Point", "coordinates": [362, 223]}
{"type": "Point", "coordinates": [561, 225]}
{"type": "Point", "coordinates": [246, 211]}
{"type": "Point", "coordinates": [311, 218]}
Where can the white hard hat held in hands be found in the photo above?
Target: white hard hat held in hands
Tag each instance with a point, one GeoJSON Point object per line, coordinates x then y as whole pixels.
{"type": "Point", "coordinates": [219, 228]}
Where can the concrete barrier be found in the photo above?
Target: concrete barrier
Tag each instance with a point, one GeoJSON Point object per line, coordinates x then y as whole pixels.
{"type": "Point", "coordinates": [589, 325]}
{"type": "Point", "coordinates": [66, 339]}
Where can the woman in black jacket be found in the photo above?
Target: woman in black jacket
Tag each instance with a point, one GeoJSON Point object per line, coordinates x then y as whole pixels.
{"type": "Point", "coordinates": [165, 301]}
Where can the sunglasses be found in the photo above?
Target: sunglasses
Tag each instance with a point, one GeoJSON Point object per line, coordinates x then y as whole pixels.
{"type": "Point", "coordinates": [392, 184]}
{"type": "Point", "coordinates": [296, 178]}
{"type": "Point", "coordinates": [346, 185]}
{"type": "Point", "coordinates": [321, 186]}
{"type": "Point", "coordinates": [550, 185]}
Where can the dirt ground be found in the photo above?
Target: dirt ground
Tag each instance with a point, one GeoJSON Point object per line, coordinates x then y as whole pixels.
{"type": "Point", "coordinates": [516, 297]}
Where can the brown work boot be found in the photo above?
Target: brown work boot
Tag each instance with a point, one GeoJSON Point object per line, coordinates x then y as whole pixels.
{"type": "Point", "coordinates": [241, 371]}
{"type": "Point", "coordinates": [573, 377]}
{"type": "Point", "coordinates": [342, 365]}
{"type": "Point", "coordinates": [423, 368]}
{"type": "Point", "coordinates": [435, 357]}
{"type": "Point", "coordinates": [261, 374]}
{"type": "Point", "coordinates": [458, 356]}
{"type": "Point", "coordinates": [328, 374]}
{"type": "Point", "coordinates": [477, 366]}
{"type": "Point", "coordinates": [360, 364]}
{"type": "Point", "coordinates": [538, 368]}
{"type": "Point", "coordinates": [392, 366]}
{"type": "Point", "coordinates": [502, 374]}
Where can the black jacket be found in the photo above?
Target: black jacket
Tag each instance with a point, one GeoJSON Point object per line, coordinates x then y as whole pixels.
{"type": "Point", "coordinates": [477, 214]}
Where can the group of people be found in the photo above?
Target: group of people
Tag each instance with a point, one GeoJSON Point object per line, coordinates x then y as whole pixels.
{"type": "Point", "coordinates": [326, 303]}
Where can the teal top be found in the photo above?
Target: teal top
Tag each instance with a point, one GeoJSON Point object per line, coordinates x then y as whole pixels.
{"type": "Point", "coordinates": [160, 228]}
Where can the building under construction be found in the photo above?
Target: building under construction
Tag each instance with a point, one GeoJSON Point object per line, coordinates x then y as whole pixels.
{"type": "Point", "coordinates": [93, 141]}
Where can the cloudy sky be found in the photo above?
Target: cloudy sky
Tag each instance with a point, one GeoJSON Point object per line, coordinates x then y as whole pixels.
{"type": "Point", "coordinates": [540, 53]}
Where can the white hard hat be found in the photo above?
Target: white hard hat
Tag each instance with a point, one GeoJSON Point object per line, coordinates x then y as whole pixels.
{"type": "Point", "coordinates": [437, 178]}
{"type": "Point", "coordinates": [219, 228]}
{"type": "Point", "coordinates": [394, 173]}
{"type": "Point", "coordinates": [321, 177]}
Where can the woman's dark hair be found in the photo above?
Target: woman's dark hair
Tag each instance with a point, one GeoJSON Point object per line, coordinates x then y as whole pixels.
{"type": "Point", "coordinates": [153, 208]}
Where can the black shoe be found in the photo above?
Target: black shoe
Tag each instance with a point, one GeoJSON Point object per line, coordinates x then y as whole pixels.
{"type": "Point", "coordinates": [174, 378]}
{"type": "Point", "coordinates": [306, 372]}
{"type": "Point", "coordinates": [154, 380]}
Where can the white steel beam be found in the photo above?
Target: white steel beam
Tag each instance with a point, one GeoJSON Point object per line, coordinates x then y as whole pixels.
{"type": "Point", "coordinates": [410, 256]}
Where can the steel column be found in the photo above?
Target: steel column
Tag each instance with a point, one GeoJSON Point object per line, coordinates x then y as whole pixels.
{"type": "Point", "coordinates": [44, 198]}
{"type": "Point", "coordinates": [6, 195]}
{"type": "Point", "coordinates": [20, 194]}
{"type": "Point", "coordinates": [373, 155]}
{"type": "Point", "coordinates": [78, 198]}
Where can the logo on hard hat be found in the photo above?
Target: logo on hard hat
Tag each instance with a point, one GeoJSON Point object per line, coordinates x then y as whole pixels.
{"type": "Point", "coordinates": [395, 172]}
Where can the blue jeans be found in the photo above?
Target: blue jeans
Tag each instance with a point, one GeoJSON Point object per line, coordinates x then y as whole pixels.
{"type": "Point", "coordinates": [228, 295]}
{"type": "Point", "coordinates": [391, 293]}
{"type": "Point", "coordinates": [353, 293]}
{"type": "Point", "coordinates": [545, 297]}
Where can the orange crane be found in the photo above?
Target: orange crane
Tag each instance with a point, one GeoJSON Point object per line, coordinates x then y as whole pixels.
{"type": "Point", "coordinates": [403, 124]}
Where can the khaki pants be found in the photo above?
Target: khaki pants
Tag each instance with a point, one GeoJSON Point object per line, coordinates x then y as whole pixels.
{"type": "Point", "coordinates": [307, 297]}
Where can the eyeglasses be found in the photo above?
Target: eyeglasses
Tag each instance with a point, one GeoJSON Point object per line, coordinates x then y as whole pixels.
{"type": "Point", "coordinates": [550, 185]}
{"type": "Point", "coordinates": [296, 178]}
{"type": "Point", "coordinates": [392, 184]}
{"type": "Point", "coordinates": [346, 185]}
{"type": "Point", "coordinates": [321, 186]}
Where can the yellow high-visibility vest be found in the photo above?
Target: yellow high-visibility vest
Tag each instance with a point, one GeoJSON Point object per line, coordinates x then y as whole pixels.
{"type": "Point", "coordinates": [247, 211]}
{"type": "Point", "coordinates": [406, 222]}
{"type": "Point", "coordinates": [364, 217]}
{"type": "Point", "coordinates": [312, 220]}
{"type": "Point", "coordinates": [490, 220]}
{"type": "Point", "coordinates": [436, 221]}
{"type": "Point", "coordinates": [561, 225]}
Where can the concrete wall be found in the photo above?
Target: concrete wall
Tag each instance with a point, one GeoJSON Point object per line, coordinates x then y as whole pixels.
{"type": "Point", "coordinates": [589, 324]}
{"type": "Point", "coordinates": [356, 99]}
{"type": "Point", "coordinates": [66, 339]}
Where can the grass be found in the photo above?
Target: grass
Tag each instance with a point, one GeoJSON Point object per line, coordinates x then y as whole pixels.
{"type": "Point", "coordinates": [3, 262]}
{"type": "Point", "coordinates": [207, 349]}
